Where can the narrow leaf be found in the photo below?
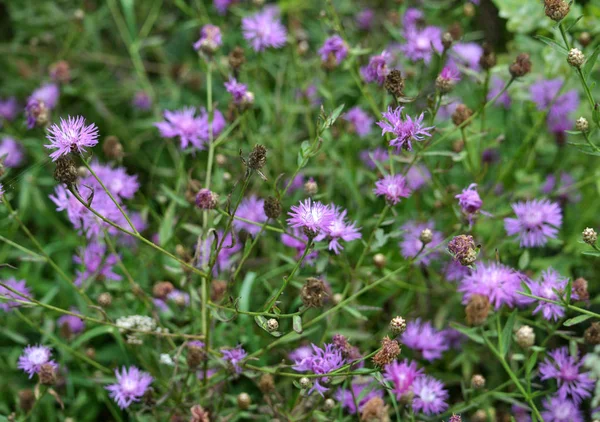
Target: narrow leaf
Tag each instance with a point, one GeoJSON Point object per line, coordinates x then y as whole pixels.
{"type": "Point", "coordinates": [589, 63]}
{"type": "Point", "coordinates": [576, 320]}
{"type": "Point", "coordinates": [297, 323]}
{"type": "Point", "coordinates": [552, 43]}
{"type": "Point", "coordinates": [507, 333]}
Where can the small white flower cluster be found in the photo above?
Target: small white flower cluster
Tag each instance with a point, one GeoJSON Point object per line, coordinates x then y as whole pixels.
{"type": "Point", "coordinates": [136, 322]}
{"type": "Point", "coordinates": [166, 359]}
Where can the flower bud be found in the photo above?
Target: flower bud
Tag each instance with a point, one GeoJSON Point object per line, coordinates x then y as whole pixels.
{"type": "Point", "coordinates": [195, 353]}
{"type": "Point", "coordinates": [60, 71]}
{"type": "Point", "coordinates": [394, 83]}
{"type": "Point", "coordinates": [104, 300]}
{"type": "Point", "coordinates": [447, 40]}
{"type": "Point", "coordinates": [26, 400]}
{"type": "Point", "coordinates": [397, 325]}
{"type": "Point", "coordinates": [266, 384]}
{"type": "Point", "coordinates": [329, 404]}
{"type": "Point", "coordinates": [461, 115]}
{"type": "Point", "coordinates": [477, 382]}
{"type": "Point", "coordinates": [305, 382]}
{"type": "Point", "coordinates": [525, 336]}
{"type": "Point", "coordinates": [576, 58]}
{"type": "Point", "coordinates": [244, 401]}
{"type": "Point", "coordinates": [199, 414]}
{"type": "Point", "coordinates": [556, 10]}
{"type": "Point", "coordinates": [426, 236]}
{"type": "Point", "coordinates": [469, 10]}
{"type": "Point", "coordinates": [162, 289]}
{"type": "Point", "coordinates": [589, 236]}
{"type": "Point", "coordinates": [236, 58]}
{"type": "Point", "coordinates": [207, 199]}
{"type": "Point", "coordinates": [521, 66]}
{"type": "Point", "coordinates": [585, 39]}
{"type": "Point", "coordinates": [311, 187]}
{"type": "Point", "coordinates": [488, 58]}
{"type": "Point", "coordinates": [580, 287]}
{"type": "Point", "coordinates": [272, 325]}
{"type": "Point", "coordinates": [477, 309]}
{"type": "Point", "coordinates": [375, 410]}
{"type": "Point", "coordinates": [379, 260]}
{"type": "Point", "coordinates": [65, 171]}
{"type": "Point", "coordinates": [272, 207]}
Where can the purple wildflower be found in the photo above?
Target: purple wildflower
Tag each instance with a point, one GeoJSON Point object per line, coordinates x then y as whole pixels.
{"type": "Point", "coordinates": [334, 46]}
{"type": "Point", "coordinates": [412, 17]}
{"type": "Point", "coordinates": [223, 5]}
{"type": "Point", "coordinates": [47, 94]}
{"type": "Point", "coordinates": [250, 209]}
{"type": "Point", "coordinates": [321, 361]}
{"type": "Point", "coordinates": [557, 409]}
{"type": "Point", "coordinates": [300, 353]}
{"type": "Point", "coordinates": [466, 55]}
{"type": "Point", "coordinates": [115, 179]}
{"type": "Point", "coordinates": [496, 87]}
{"type": "Point", "coordinates": [8, 109]}
{"type": "Point", "coordinates": [545, 95]}
{"type": "Point", "coordinates": [421, 43]}
{"type": "Point", "coordinates": [430, 395]}
{"type": "Point", "coordinates": [411, 243]}
{"type": "Point", "coordinates": [393, 188]}
{"type": "Point", "coordinates": [417, 176]}
{"type": "Point", "coordinates": [264, 29]}
{"type": "Point", "coordinates": [142, 101]}
{"type": "Point", "coordinates": [402, 376]}
{"type": "Point", "coordinates": [17, 285]}
{"type": "Point", "coordinates": [224, 259]}
{"type": "Point", "coordinates": [450, 74]}
{"type": "Point", "coordinates": [404, 131]}
{"type": "Point", "coordinates": [299, 245]}
{"type": "Point", "coordinates": [364, 19]}
{"type": "Point", "coordinates": [72, 135]}
{"type": "Point", "coordinates": [130, 387]}
{"type": "Point", "coordinates": [360, 121]}
{"type": "Point", "coordinates": [564, 368]}
{"type": "Point", "coordinates": [362, 391]}
{"type": "Point", "coordinates": [96, 262]}
{"type": "Point", "coordinates": [234, 357]}
{"type": "Point", "coordinates": [189, 128]}
{"type": "Point", "coordinates": [33, 358]}
{"type": "Point", "coordinates": [536, 222]}
{"type": "Point", "coordinates": [550, 281]}
{"type": "Point", "coordinates": [338, 229]}
{"type": "Point", "coordinates": [564, 190]}
{"type": "Point", "coordinates": [423, 338]}
{"type": "Point", "coordinates": [75, 324]}
{"type": "Point", "coordinates": [469, 199]}
{"type": "Point", "coordinates": [377, 69]}
{"type": "Point", "coordinates": [12, 151]}
{"type": "Point", "coordinates": [210, 39]}
{"type": "Point", "coordinates": [377, 155]}
{"type": "Point", "coordinates": [312, 216]}
{"type": "Point", "coordinates": [455, 271]}
{"type": "Point", "coordinates": [496, 281]}
{"type": "Point", "coordinates": [238, 91]}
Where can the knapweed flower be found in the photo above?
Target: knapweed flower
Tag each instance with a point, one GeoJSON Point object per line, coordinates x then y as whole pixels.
{"type": "Point", "coordinates": [362, 391]}
{"type": "Point", "coordinates": [557, 409]}
{"type": "Point", "coordinates": [334, 49]}
{"type": "Point", "coordinates": [411, 19]}
{"type": "Point", "coordinates": [251, 208]}
{"type": "Point", "coordinates": [469, 199]}
{"type": "Point", "coordinates": [223, 5]}
{"type": "Point", "coordinates": [430, 396]}
{"type": "Point", "coordinates": [264, 29]}
{"type": "Point", "coordinates": [467, 55]}
{"type": "Point", "coordinates": [565, 190]}
{"type": "Point", "coordinates": [321, 361]}
{"type": "Point", "coordinates": [361, 122]}
{"type": "Point", "coordinates": [210, 39]}
{"type": "Point", "coordinates": [33, 358]}
{"type": "Point", "coordinates": [377, 69]}
{"type": "Point", "coordinates": [499, 283]}
{"type": "Point", "coordinates": [411, 244]}
{"type": "Point", "coordinates": [74, 324]}
{"type": "Point", "coordinates": [312, 216]}
{"type": "Point", "coordinates": [536, 222]}
{"type": "Point", "coordinates": [224, 258]}
{"type": "Point", "coordinates": [130, 387]}
{"type": "Point", "coordinates": [364, 19]}
{"type": "Point", "coordinates": [404, 131]}
{"type": "Point", "coordinates": [564, 368]}
{"type": "Point", "coordinates": [142, 101]}
{"type": "Point", "coordinates": [96, 263]}
{"type": "Point", "coordinates": [299, 241]}
{"type": "Point", "coordinates": [371, 157]}
{"type": "Point", "coordinates": [300, 353]}
{"type": "Point", "coordinates": [421, 43]}
{"type": "Point", "coordinates": [72, 135]}
{"type": "Point", "coordinates": [339, 229]}
{"type": "Point", "coordinates": [423, 338]}
{"type": "Point", "coordinates": [402, 376]}
{"type": "Point", "coordinates": [550, 281]}
{"type": "Point", "coordinates": [16, 285]}
{"type": "Point", "coordinates": [47, 94]}
{"type": "Point", "coordinates": [447, 79]}
{"type": "Point", "coordinates": [417, 176]}
{"type": "Point", "coordinates": [237, 90]}
{"type": "Point", "coordinates": [207, 199]}
{"type": "Point", "coordinates": [191, 129]}
{"type": "Point", "coordinates": [11, 152]}
{"type": "Point", "coordinates": [234, 357]}
{"type": "Point", "coordinates": [8, 109]}
{"type": "Point", "coordinates": [545, 96]}
{"type": "Point", "coordinates": [393, 188]}
{"type": "Point", "coordinates": [497, 85]}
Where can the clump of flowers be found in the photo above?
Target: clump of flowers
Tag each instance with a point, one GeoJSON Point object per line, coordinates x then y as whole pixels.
{"type": "Point", "coordinates": [320, 361]}
{"type": "Point", "coordinates": [404, 130]}
{"type": "Point", "coordinates": [536, 222]}
{"type": "Point", "coordinates": [423, 338]}
{"type": "Point", "coordinates": [131, 385]}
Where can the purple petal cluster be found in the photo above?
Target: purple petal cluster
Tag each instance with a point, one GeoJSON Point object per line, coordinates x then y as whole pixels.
{"type": "Point", "coordinates": [237, 90]}
{"type": "Point", "coordinates": [9, 108]}
{"type": "Point", "coordinates": [33, 358]}
{"type": "Point", "coordinates": [12, 153]}
{"type": "Point", "coordinates": [392, 188]}
{"type": "Point", "coordinates": [545, 95]}
{"type": "Point", "coordinates": [362, 391]}
{"type": "Point", "coordinates": [71, 135]}
{"type": "Point", "coordinates": [557, 409]}
{"type": "Point", "coordinates": [251, 208]}
{"type": "Point", "coordinates": [210, 38]}
{"type": "Point", "coordinates": [430, 396]}
{"type": "Point", "coordinates": [565, 370]}
{"type": "Point", "coordinates": [312, 216]}
{"type": "Point", "coordinates": [417, 176]}
{"type": "Point", "coordinates": [320, 361]}
{"type": "Point", "coordinates": [360, 120]}
{"type": "Point", "coordinates": [411, 243]}
{"type": "Point", "coordinates": [142, 101]}
{"type": "Point", "coordinates": [364, 19]}
{"type": "Point", "coordinates": [421, 43]}
{"type": "Point", "coordinates": [412, 19]}
{"type": "Point", "coordinates": [131, 385]}
{"type": "Point", "coordinates": [450, 73]}
{"type": "Point", "coordinates": [377, 69]}
{"type": "Point", "coordinates": [191, 129]}
{"type": "Point", "coordinates": [47, 94]}
{"type": "Point", "coordinates": [234, 357]}
{"type": "Point", "coordinates": [75, 324]}
{"type": "Point", "coordinates": [96, 263]}
{"type": "Point", "coordinates": [339, 229]}
{"type": "Point", "coordinates": [469, 199]}
{"type": "Point", "coordinates": [264, 29]}
{"type": "Point", "coordinates": [223, 5]}
{"type": "Point", "coordinates": [371, 157]}
{"type": "Point", "coordinates": [536, 222]}
{"type": "Point", "coordinates": [334, 46]}
{"type": "Point", "coordinates": [402, 376]}
{"type": "Point", "coordinates": [16, 285]}
{"type": "Point", "coordinates": [423, 338]}
{"type": "Point", "coordinates": [498, 282]}
{"type": "Point", "coordinates": [565, 190]}
{"type": "Point", "coordinates": [405, 130]}
{"type": "Point", "coordinates": [550, 282]}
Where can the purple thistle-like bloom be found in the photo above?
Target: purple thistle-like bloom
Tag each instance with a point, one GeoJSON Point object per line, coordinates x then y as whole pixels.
{"type": "Point", "coordinates": [564, 368]}
{"type": "Point", "coordinates": [469, 199]}
{"type": "Point", "coordinates": [334, 46]}
{"type": "Point", "coordinates": [402, 376]}
{"type": "Point", "coordinates": [466, 54]}
{"type": "Point", "coordinates": [430, 395]}
{"type": "Point", "coordinates": [47, 94]}
{"type": "Point", "coordinates": [72, 135]}
{"type": "Point", "coordinates": [393, 188]}
{"type": "Point", "coordinates": [96, 262]}
{"type": "Point", "coordinates": [311, 215]}
{"type": "Point", "coordinates": [130, 387]}
{"type": "Point", "coordinates": [75, 324]}
{"type": "Point", "coordinates": [223, 5]}
{"type": "Point", "coordinates": [536, 222]}
{"type": "Point", "coordinates": [321, 361]}
{"type": "Point", "coordinates": [550, 281]}
{"type": "Point", "coordinates": [8, 109]}
{"type": "Point", "coordinates": [17, 285]}
{"type": "Point", "coordinates": [338, 229]}
{"type": "Point", "coordinates": [364, 19]}
{"type": "Point", "coordinates": [377, 155]}
{"type": "Point", "coordinates": [264, 29]}
{"type": "Point", "coordinates": [411, 243]}
{"type": "Point", "coordinates": [299, 245]}
{"type": "Point", "coordinates": [450, 73]}
{"type": "Point", "coordinates": [238, 91]}
{"type": "Point", "coordinates": [412, 17]}
{"type": "Point", "coordinates": [496, 281]}
{"type": "Point", "coordinates": [421, 43]}
{"type": "Point", "coordinates": [557, 409]}
{"type": "Point", "coordinates": [189, 128]}
{"type": "Point", "coordinates": [234, 357]}
{"type": "Point", "coordinates": [496, 87]}
{"type": "Point", "coordinates": [422, 337]}
{"type": "Point", "coordinates": [455, 271]}
{"type": "Point", "coordinates": [115, 179]}
{"type": "Point", "coordinates": [300, 353]}
{"type": "Point", "coordinates": [362, 391]}
{"type": "Point", "coordinates": [252, 209]}
{"type": "Point", "coordinates": [224, 259]}
{"type": "Point", "coordinates": [210, 38]}
{"type": "Point", "coordinates": [417, 176]}
{"type": "Point", "coordinates": [142, 101]}
{"type": "Point", "coordinates": [377, 69]}
{"type": "Point", "coordinates": [361, 122]}
{"type": "Point", "coordinates": [404, 131]}
{"type": "Point", "coordinates": [12, 151]}
{"type": "Point", "coordinates": [545, 95]}
{"type": "Point", "coordinates": [33, 358]}
{"type": "Point", "coordinates": [564, 190]}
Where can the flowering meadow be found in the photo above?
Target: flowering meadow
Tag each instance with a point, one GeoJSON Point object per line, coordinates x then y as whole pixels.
{"type": "Point", "coordinates": [334, 210]}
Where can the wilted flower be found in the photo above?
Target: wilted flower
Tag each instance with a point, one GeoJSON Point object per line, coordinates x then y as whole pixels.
{"type": "Point", "coordinates": [234, 357]}
{"type": "Point", "coordinates": [130, 387]}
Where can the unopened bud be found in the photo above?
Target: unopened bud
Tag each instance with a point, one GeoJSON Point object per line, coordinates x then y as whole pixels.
{"type": "Point", "coordinates": [113, 149]}
{"type": "Point", "coordinates": [236, 58]}
{"type": "Point", "coordinates": [244, 401]}
{"type": "Point", "coordinates": [469, 10]}
{"type": "Point", "coordinates": [576, 58]}
{"type": "Point", "coordinates": [447, 40]}
{"type": "Point", "coordinates": [477, 309]}
{"type": "Point", "coordinates": [379, 260]}
{"type": "Point", "coordinates": [556, 10]}
{"type": "Point", "coordinates": [397, 325]}
{"type": "Point", "coordinates": [162, 289]}
{"type": "Point", "coordinates": [521, 66]}
{"type": "Point", "coordinates": [305, 382]}
{"type": "Point", "coordinates": [592, 334]}
{"type": "Point", "coordinates": [26, 400]}
{"type": "Point", "coordinates": [589, 236]}
{"type": "Point", "coordinates": [207, 199]}
{"type": "Point", "coordinates": [329, 404]}
{"type": "Point", "coordinates": [585, 39]}
{"type": "Point", "coordinates": [272, 207]}
{"type": "Point", "coordinates": [461, 115]}
{"type": "Point", "coordinates": [272, 325]}
{"type": "Point", "coordinates": [311, 187]}
{"type": "Point", "coordinates": [266, 384]}
{"type": "Point", "coordinates": [477, 382]}
{"type": "Point", "coordinates": [104, 300]}
{"type": "Point", "coordinates": [582, 124]}
{"type": "Point", "coordinates": [426, 236]}
{"type": "Point", "coordinates": [525, 336]}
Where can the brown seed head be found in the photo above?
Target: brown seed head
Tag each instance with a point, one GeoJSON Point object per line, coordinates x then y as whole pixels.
{"type": "Point", "coordinates": [236, 58]}
{"type": "Point", "coordinates": [477, 309]}
{"type": "Point", "coordinates": [47, 374]}
{"type": "Point", "coordinates": [60, 71]}
{"type": "Point", "coordinates": [521, 66]}
{"type": "Point", "coordinates": [272, 207]}
{"type": "Point", "coordinates": [244, 401]}
{"type": "Point", "coordinates": [375, 410]}
{"type": "Point", "coordinates": [162, 289]}
{"type": "Point", "coordinates": [313, 293]}
{"type": "Point", "coordinates": [390, 349]}
{"type": "Point", "coordinates": [394, 83]}
{"type": "Point", "coordinates": [477, 381]}
{"type": "Point", "coordinates": [266, 384]}
{"type": "Point", "coordinates": [258, 157]}
{"type": "Point", "coordinates": [113, 149]}
{"type": "Point", "coordinates": [488, 58]}
{"type": "Point", "coordinates": [556, 10]}
{"type": "Point", "coordinates": [65, 171]}
{"type": "Point", "coordinates": [199, 414]}
{"type": "Point", "coordinates": [26, 400]}
{"type": "Point", "coordinates": [461, 115]}
{"type": "Point", "coordinates": [592, 334]}
{"type": "Point", "coordinates": [580, 287]}
{"type": "Point", "coordinates": [525, 336]}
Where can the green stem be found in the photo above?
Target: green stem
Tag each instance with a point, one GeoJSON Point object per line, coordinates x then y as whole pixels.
{"type": "Point", "coordinates": [372, 236]}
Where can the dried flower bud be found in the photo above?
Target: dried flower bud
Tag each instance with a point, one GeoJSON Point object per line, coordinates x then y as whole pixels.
{"type": "Point", "coordinates": [390, 349]}
{"type": "Point", "coordinates": [113, 149]}
{"type": "Point", "coordinates": [337, 298]}
{"type": "Point", "coordinates": [104, 300]}
{"type": "Point", "coordinates": [329, 404]}
{"type": "Point", "coordinates": [592, 334]}
{"type": "Point", "coordinates": [394, 83]}
{"type": "Point", "coordinates": [576, 58]}
{"type": "Point", "coordinates": [488, 58]}
{"type": "Point", "coordinates": [477, 309]}
{"type": "Point", "coordinates": [236, 58]}
{"type": "Point", "coordinates": [47, 374]}
{"type": "Point", "coordinates": [26, 400]}
{"type": "Point", "coordinates": [469, 10]}
{"type": "Point", "coordinates": [463, 249]}
{"type": "Point", "coordinates": [426, 236]}
{"type": "Point", "coordinates": [37, 113]}
{"type": "Point", "coordinates": [244, 401]}
{"type": "Point", "coordinates": [582, 124]}
{"type": "Point", "coordinates": [455, 418]}
{"type": "Point", "coordinates": [162, 289]}
{"type": "Point", "coordinates": [305, 383]}
{"type": "Point", "coordinates": [199, 414]}
{"type": "Point", "coordinates": [447, 40]}
{"type": "Point", "coordinates": [313, 293]}
{"type": "Point", "coordinates": [525, 336]}
{"type": "Point", "coordinates": [207, 199]}
{"type": "Point", "coordinates": [456, 31]}
{"type": "Point", "coordinates": [521, 66]}
{"type": "Point", "coordinates": [477, 381]}
{"type": "Point", "coordinates": [397, 325]}
{"type": "Point", "coordinates": [272, 324]}
{"type": "Point", "coordinates": [266, 384]}
{"type": "Point", "coordinates": [65, 171]}
{"type": "Point", "coordinates": [580, 287]}
{"type": "Point", "coordinates": [272, 207]}
{"type": "Point", "coordinates": [461, 115]}
{"type": "Point", "coordinates": [589, 236]}
{"type": "Point", "coordinates": [379, 260]}
{"type": "Point", "coordinates": [257, 158]}
{"type": "Point", "coordinates": [311, 187]}
{"type": "Point", "coordinates": [556, 10]}
{"type": "Point", "coordinates": [585, 39]}
{"type": "Point", "coordinates": [60, 71]}
{"type": "Point", "coordinates": [375, 410]}
{"type": "Point", "coordinates": [195, 353]}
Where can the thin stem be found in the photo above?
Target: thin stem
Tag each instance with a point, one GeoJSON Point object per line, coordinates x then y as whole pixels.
{"type": "Point", "coordinates": [372, 236]}
{"type": "Point", "coordinates": [247, 253]}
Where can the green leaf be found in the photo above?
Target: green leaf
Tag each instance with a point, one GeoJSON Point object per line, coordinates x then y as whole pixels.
{"type": "Point", "coordinates": [90, 334]}
{"type": "Point", "coordinates": [552, 43]}
{"type": "Point", "coordinates": [469, 332]}
{"type": "Point", "coordinates": [333, 117]}
{"type": "Point", "coordinates": [524, 260]}
{"type": "Point", "coordinates": [507, 333]}
{"type": "Point", "coordinates": [297, 323]}
{"type": "Point", "coordinates": [577, 320]}
{"type": "Point", "coordinates": [589, 63]}
{"type": "Point", "coordinates": [591, 253]}
{"type": "Point", "coordinates": [572, 24]}
{"type": "Point", "coordinates": [165, 231]}
{"type": "Point", "coordinates": [569, 291]}
{"type": "Point", "coordinates": [531, 363]}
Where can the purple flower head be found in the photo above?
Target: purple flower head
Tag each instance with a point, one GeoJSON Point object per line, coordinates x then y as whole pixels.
{"type": "Point", "coordinates": [8, 109]}
{"type": "Point", "coordinates": [402, 376]}
{"type": "Point", "coordinates": [404, 131]}
{"type": "Point", "coordinates": [377, 155]}
{"type": "Point", "coordinates": [393, 188]}
{"type": "Point", "coordinates": [362, 391]}
{"type": "Point", "coordinates": [75, 324]}
{"type": "Point", "coordinates": [312, 216]}
{"type": "Point", "coordinates": [377, 69]}
{"type": "Point", "coordinates": [423, 338]}
{"type": "Point", "coordinates": [417, 176]}
{"type": "Point", "coordinates": [496, 87]}
{"type": "Point", "coordinates": [115, 179]}
{"type": "Point", "coordinates": [130, 387]}
{"type": "Point", "coordinates": [421, 43]}
{"type": "Point", "coordinates": [564, 190]}
{"type": "Point", "coordinates": [469, 199]}
{"type": "Point", "coordinates": [557, 409]}
{"type": "Point", "coordinates": [338, 229]}
{"type": "Point", "coordinates": [33, 358]}
{"type": "Point", "coordinates": [412, 18]}
{"type": "Point", "coordinates": [251, 208]}
{"type": "Point", "coordinates": [550, 281]}
{"type": "Point", "coordinates": [96, 263]}
{"type": "Point", "coordinates": [223, 5]}
{"type": "Point", "coordinates": [321, 361]}
{"type": "Point", "coordinates": [210, 39]}
{"type": "Point", "coordinates": [455, 271]}
{"type": "Point", "coordinates": [536, 222]}
{"type": "Point", "coordinates": [142, 101]}
{"type": "Point", "coordinates": [333, 46]}
{"type": "Point", "coordinates": [224, 259]}
{"type": "Point", "coordinates": [47, 94]}
{"type": "Point", "coordinates": [564, 368]}
{"type": "Point", "coordinates": [189, 128]}
{"type": "Point", "coordinates": [237, 90]}
{"type": "Point", "coordinates": [18, 286]}
{"type": "Point", "coordinates": [545, 95]}
{"type": "Point", "coordinates": [496, 281]}
{"type": "Point", "coordinates": [520, 413]}
{"type": "Point", "coordinates": [299, 245]}
{"type": "Point", "coordinates": [234, 357]}
{"type": "Point", "coordinates": [264, 29]}
{"type": "Point", "coordinates": [450, 73]}
{"type": "Point", "coordinates": [301, 353]}
{"type": "Point", "coordinates": [72, 135]}
{"type": "Point", "coordinates": [430, 395]}
{"type": "Point", "coordinates": [361, 122]}
{"type": "Point", "coordinates": [364, 19]}
{"type": "Point", "coordinates": [411, 243]}
{"type": "Point", "coordinates": [467, 55]}
{"type": "Point", "coordinates": [12, 151]}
